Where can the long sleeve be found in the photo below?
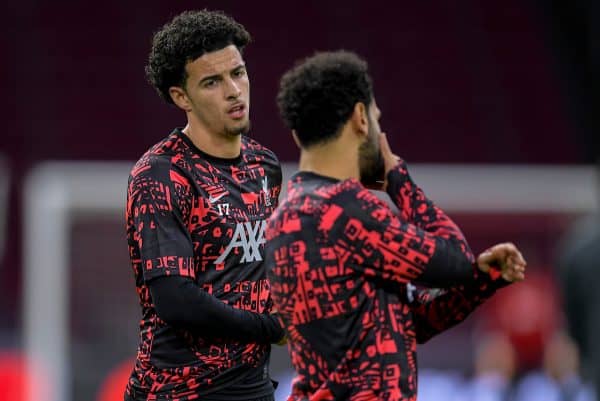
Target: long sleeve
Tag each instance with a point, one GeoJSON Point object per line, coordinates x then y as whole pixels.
{"type": "Point", "coordinates": [437, 310]}
{"type": "Point", "coordinates": [181, 303]}
{"type": "Point", "coordinates": [159, 211]}
{"type": "Point", "coordinates": [417, 209]}
{"type": "Point", "coordinates": [368, 236]}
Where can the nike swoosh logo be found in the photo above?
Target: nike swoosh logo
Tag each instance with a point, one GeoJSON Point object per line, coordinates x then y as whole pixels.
{"type": "Point", "coordinates": [213, 199]}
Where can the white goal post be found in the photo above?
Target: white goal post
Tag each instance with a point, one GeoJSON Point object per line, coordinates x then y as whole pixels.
{"type": "Point", "coordinates": [56, 192]}
{"type": "Point", "coordinates": [4, 201]}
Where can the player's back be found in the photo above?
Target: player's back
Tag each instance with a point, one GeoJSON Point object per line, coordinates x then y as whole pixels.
{"type": "Point", "coordinates": [349, 328]}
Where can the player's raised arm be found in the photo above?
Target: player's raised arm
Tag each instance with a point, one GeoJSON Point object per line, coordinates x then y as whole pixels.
{"type": "Point", "coordinates": [414, 206]}
{"type": "Point", "coordinates": [436, 310]}
{"type": "Point", "coordinates": [384, 246]}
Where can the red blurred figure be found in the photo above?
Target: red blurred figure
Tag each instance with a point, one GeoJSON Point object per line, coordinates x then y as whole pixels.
{"type": "Point", "coordinates": [17, 381]}
{"type": "Point", "coordinates": [528, 314]}
{"type": "Point", "coordinates": [113, 386]}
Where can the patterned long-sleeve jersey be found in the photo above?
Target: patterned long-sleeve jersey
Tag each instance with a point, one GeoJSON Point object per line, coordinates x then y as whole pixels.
{"type": "Point", "coordinates": [341, 264]}
{"type": "Point", "coordinates": [201, 217]}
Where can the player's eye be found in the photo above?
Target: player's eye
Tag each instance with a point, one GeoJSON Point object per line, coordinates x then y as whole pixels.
{"type": "Point", "coordinates": [239, 72]}
{"type": "Point", "coordinates": [209, 83]}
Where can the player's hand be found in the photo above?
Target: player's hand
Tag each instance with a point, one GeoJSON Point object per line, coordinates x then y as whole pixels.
{"type": "Point", "coordinates": [390, 160]}
{"type": "Point", "coordinates": [507, 258]}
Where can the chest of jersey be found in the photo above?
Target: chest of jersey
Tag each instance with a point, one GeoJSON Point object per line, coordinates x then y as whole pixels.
{"type": "Point", "coordinates": [228, 214]}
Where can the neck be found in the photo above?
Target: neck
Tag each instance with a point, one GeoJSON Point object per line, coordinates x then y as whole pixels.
{"type": "Point", "coordinates": [215, 144]}
{"type": "Point", "coordinates": [336, 159]}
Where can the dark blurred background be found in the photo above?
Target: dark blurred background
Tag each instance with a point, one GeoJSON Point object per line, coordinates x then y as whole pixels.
{"type": "Point", "coordinates": [506, 82]}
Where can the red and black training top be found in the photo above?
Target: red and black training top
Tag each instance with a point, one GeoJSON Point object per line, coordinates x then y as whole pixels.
{"type": "Point", "coordinates": [196, 234]}
{"type": "Point", "coordinates": [341, 266]}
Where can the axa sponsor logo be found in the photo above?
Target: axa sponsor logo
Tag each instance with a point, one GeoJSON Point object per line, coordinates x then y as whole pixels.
{"type": "Point", "coordinates": [249, 236]}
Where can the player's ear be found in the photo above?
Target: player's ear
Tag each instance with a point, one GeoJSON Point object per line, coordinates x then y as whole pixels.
{"type": "Point", "coordinates": [360, 119]}
{"type": "Point", "coordinates": [180, 98]}
{"type": "Point", "coordinates": [296, 140]}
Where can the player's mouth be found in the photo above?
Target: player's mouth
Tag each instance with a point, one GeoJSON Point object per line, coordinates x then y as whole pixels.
{"type": "Point", "coordinates": [237, 111]}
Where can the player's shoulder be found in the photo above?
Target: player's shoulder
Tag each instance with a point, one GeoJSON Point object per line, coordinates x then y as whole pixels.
{"type": "Point", "coordinates": [315, 187]}
{"type": "Point", "coordinates": [253, 148]}
{"type": "Point", "coordinates": [150, 164]}
{"type": "Point", "coordinates": [350, 189]}
{"type": "Point", "coordinates": [312, 198]}
{"type": "Point", "coordinates": [160, 158]}
{"type": "Point", "coordinates": [354, 197]}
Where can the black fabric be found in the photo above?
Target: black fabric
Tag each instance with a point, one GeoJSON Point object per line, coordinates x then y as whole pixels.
{"type": "Point", "coordinates": [331, 336]}
{"type": "Point", "coordinates": [182, 304]}
{"type": "Point", "coordinates": [230, 379]}
{"type": "Point", "coordinates": [255, 386]}
{"type": "Point", "coordinates": [448, 265]}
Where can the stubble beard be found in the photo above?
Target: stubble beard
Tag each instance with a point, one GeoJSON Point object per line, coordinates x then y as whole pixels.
{"type": "Point", "coordinates": [371, 164]}
{"type": "Point", "coordinates": [237, 131]}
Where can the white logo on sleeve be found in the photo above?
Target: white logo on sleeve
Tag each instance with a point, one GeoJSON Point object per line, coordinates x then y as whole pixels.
{"type": "Point", "coordinates": [249, 236]}
{"type": "Point", "coordinates": [410, 292]}
{"type": "Point", "coordinates": [265, 190]}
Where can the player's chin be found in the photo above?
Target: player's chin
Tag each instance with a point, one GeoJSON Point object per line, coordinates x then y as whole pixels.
{"type": "Point", "coordinates": [238, 128]}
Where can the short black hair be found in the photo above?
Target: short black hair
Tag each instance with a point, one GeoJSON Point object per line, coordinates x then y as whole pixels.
{"type": "Point", "coordinates": [185, 38]}
{"type": "Point", "coordinates": [319, 94]}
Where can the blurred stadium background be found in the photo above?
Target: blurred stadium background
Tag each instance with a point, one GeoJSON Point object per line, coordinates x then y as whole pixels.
{"type": "Point", "coordinates": [491, 103]}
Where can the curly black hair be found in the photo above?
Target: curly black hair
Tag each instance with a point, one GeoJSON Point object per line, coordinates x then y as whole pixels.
{"type": "Point", "coordinates": [318, 95]}
{"type": "Point", "coordinates": [185, 38]}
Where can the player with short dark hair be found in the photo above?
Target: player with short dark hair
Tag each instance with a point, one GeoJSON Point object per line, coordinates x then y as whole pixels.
{"type": "Point", "coordinates": [197, 204]}
{"type": "Point", "coordinates": [352, 281]}
{"type": "Point", "coordinates": [316, 105]}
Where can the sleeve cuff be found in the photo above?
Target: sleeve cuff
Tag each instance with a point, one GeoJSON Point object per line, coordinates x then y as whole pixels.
{"type": "Point", "coordinates": [493, 278]}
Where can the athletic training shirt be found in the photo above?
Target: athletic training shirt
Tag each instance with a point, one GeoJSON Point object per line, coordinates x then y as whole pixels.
{"type": "Point", "coordinates": [201, 218]}
{"type": "Point", "coordinates": [341, 266]}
